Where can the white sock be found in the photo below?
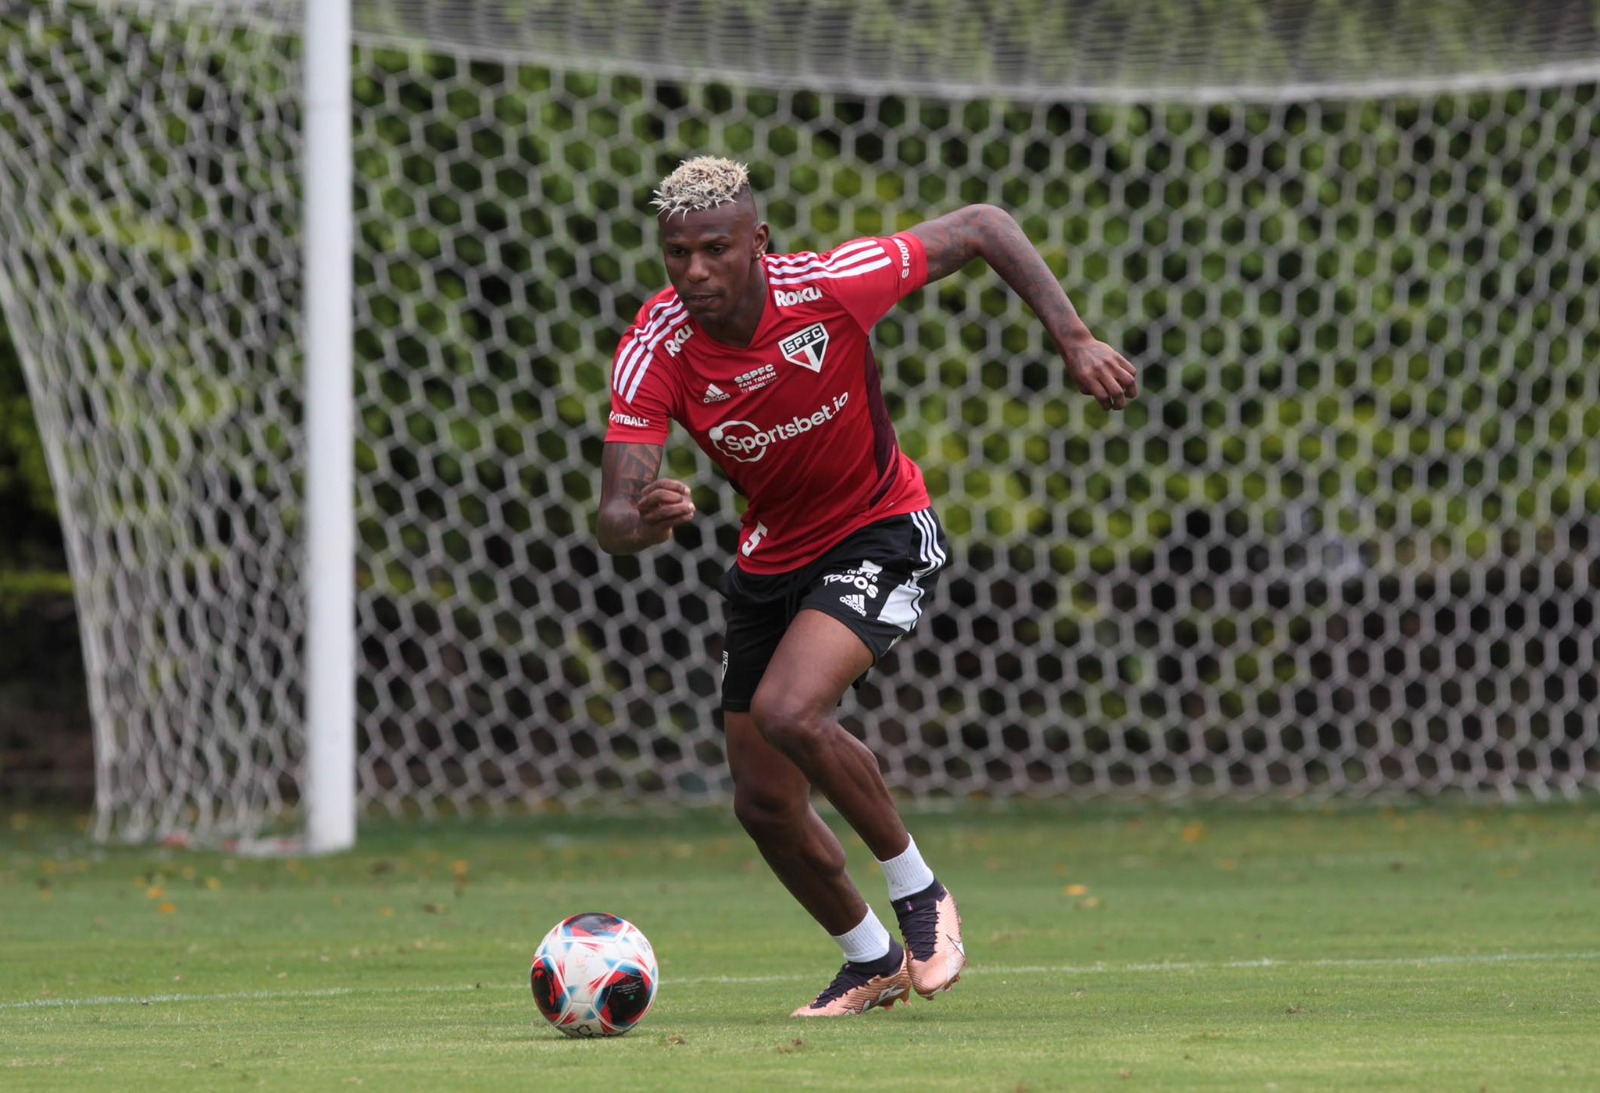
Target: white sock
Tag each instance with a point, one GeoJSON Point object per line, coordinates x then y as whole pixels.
{"type": "Point", "coordinates": [907, 873]}
{"type": "Point", "coordinates": [867, 942]}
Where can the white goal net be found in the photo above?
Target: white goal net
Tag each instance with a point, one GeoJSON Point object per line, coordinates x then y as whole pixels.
{"type": "Point", "coordinates": [1345, 543]}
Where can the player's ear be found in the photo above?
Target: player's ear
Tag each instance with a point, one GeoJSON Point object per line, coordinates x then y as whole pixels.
{"type": "Point", "coordinates": [763, 234]}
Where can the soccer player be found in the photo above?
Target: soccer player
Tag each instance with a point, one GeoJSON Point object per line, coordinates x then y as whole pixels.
{"type": "Point", "coordinates": [765, 362]}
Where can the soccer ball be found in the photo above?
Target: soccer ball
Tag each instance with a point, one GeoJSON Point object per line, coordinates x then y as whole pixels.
{"type": "Point", "coordinates": [594, 974]}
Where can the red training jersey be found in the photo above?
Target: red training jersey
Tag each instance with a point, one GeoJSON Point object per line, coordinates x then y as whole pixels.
{"type": "Point", "coordinates": [796, 419]}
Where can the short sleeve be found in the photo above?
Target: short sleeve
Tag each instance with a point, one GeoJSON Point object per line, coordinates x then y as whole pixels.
{"type": "Point", "coordinates": [870, 276]}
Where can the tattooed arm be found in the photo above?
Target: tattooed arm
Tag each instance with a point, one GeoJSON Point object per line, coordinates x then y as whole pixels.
{"type": "Point", "coordinates": [990, 233]}
{"type": "Point", "coordinates": [638, 509]}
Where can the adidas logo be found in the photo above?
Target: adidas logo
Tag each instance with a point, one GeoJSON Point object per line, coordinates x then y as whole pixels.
{"type": "Point", "coordinates": [715, 394]}
{"type": "Point", "coordinates": [855, 603]}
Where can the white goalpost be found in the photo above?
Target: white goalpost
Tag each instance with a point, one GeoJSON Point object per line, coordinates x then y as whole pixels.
{"type": "Point", "coordinates": [316, 302]}
{"type": "Point", "coordinates": [330, 429]}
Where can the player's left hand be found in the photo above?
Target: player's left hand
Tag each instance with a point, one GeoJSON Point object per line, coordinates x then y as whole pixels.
{"type": "Point", "coordinates": [1102, 373]}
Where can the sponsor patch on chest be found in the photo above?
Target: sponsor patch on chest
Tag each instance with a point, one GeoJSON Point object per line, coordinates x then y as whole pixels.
{"type": "Point", "coordinates": [756, 378]}
{"type": "Point", "coordinates": [810, 294]}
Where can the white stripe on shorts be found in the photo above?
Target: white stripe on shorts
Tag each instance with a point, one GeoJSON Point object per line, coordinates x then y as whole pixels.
{"type": "Point", "coordinates": [903, 606]}
{"type": "Point", "coordinates": [932, 555]}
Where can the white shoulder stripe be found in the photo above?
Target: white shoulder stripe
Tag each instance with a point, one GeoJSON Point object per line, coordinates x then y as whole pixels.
{"type": "Point", "coordinates": [851, 260]}
{"type": "Point", "coordinates": [634, 361]}
{"type": "Point", "coordinates": [646, 336]}
{"type": "Point", "coordinates": [798, 278]}
{"type": "Point", "coordinates": [854, 252]}
{"type": "Point", "coordinates": [850, 252]}
{"type": "Point", "coordinates": [832, 266]}
{"type": "Point", "coordinates": [627, 362]}
{"type": "Point", "coordinates": [855, 246]}
{"type": "Point", "coordinates": [635, 357]}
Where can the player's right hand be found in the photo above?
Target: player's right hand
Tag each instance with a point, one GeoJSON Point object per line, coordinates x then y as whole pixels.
{"type": "Point", "coordinates": [663, 505]}
{"type": "Point", "coordinates": [1102, 373]}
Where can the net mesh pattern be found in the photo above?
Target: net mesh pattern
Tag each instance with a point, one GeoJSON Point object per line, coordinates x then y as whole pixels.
{"type": "Point", "coordinates": [1342, 545]}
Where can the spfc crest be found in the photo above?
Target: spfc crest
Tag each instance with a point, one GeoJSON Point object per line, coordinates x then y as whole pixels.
{"type": "Point", "coordinates": [807, 347]}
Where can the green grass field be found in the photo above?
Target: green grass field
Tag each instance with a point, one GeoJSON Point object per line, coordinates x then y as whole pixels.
{"type": "Point", "coordinates": [1433, 949]}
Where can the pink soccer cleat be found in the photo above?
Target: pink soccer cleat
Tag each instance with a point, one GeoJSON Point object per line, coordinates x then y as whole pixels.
{"type": "Point", "coordinates": [855, 990]}
{"type": "Point", "coordinates": [932, 929]}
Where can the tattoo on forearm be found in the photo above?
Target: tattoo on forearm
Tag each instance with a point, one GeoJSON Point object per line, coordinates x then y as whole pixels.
{"type": "Point", "coordinates": [636, 466]}
{"type": "Point", "coordinates": [625, 471]}
{"type": "Point", "coordinates": [953, 240]}
{"type": "Point", "coordinates": [950, 241]}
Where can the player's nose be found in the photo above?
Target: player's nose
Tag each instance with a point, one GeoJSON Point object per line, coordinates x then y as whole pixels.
{"type": "Point", "coordinates": [698, 268]}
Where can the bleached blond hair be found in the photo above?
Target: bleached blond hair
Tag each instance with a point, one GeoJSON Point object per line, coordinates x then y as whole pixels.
{"type": "Point", "coordinates": [703, 182]}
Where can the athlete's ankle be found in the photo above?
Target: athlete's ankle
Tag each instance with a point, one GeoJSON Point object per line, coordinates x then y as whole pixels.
{"type": "Point", "coordinates": [888, 964]}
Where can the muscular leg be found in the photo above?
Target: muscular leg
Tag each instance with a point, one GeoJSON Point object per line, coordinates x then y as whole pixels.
{"type": "Point", "coordinates": [772, 799]}
{"type": "Point", "coordinates": [794, 710]}
{"type": "Point", "coordinates": [790, 741]}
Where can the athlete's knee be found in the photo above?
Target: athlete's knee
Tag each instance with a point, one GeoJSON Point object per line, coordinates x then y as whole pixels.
{"type": "Point", "coordinates": [795, 728]}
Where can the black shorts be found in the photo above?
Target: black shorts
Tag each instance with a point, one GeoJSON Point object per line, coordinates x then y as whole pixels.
{"type": "Point", "coordinates": [875, 581]}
